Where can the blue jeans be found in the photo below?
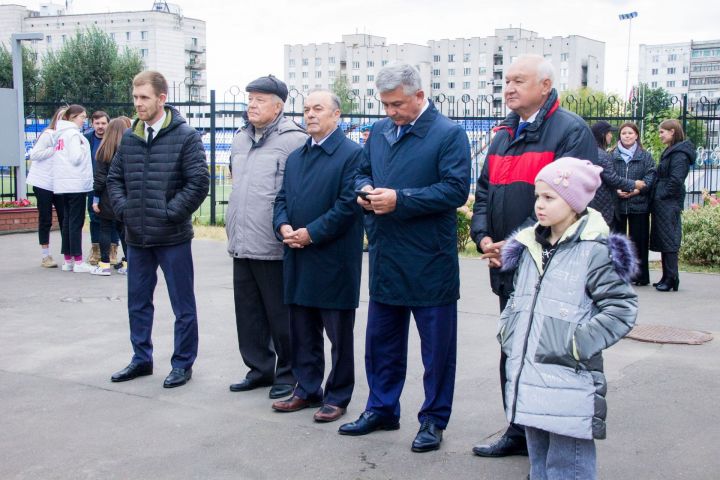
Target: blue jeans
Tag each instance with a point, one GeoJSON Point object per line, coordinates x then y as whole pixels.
{"type": "Point", "coordinates": [557, 457]}
{"type": "Point", "coordinates": [95, 223]}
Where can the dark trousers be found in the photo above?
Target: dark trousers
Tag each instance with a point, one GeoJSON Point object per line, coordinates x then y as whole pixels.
{"type": "Point", "coordinates": [514, 431]}
{"type": "Point", "coordinates": [108, 229]}
{"type": "Point", "coordinates": [308, 353]}
{"type": "Point", "coordinates": [262, 320]}
{"type": "Point", "coordinates": [670, 266]}
{"type": "Point", "coordinates": [386, 346]}
{"type": "Point", "coordinates": [95, 222]}
{"type": "Point", "coordinates": [45, 200]}
{"type": "Point", "coordinates": [637, 228]}
{"type": "Point", "coordinates": [73, 221]}
{"type": "Point", "coordinates": [177, 266]}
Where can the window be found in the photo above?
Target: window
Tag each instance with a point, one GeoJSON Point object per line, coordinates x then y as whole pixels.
{"type": "Point", "coordinates": [436, 86]}
{"type": "Point", "coordinates": [143, 35]}
{"type": "Point", "coordinates": [451, 85]}
{"type": "Point", "coordinates": [331, 74]}
{"type": "Point", "coordinates": [563, 72]}
{"type": "Point", "coordinates": [564, 57]}
{"type": "Point", "coordinates": [467, 71]}
{"type": "Point", "coordinates": [466, 57]}
{"type": "Point", "coordinates": [318, 74]}
{"type": "Point", "coordinates": [654, 71]}
{"type": "Point", "coordinates": [127, 36]}
{"type": "Point", "coordinates": [306, 87]}
{"type": "Point", "coordinates": [144, 52]}
{"type": "Point", "coordinates": [482, 71]}
{"type": "Point", "coordinates": [356, 79]}
{"type": "Point", "coordinates": [436, 58]}
{"type": "Point", "coordinates": [64, 37]}
{"type": "Point", "coordinates": [451, 58]}
{"type": "Point", "coordinates": [305, 62]}
{"type": "Point", "coordinates": [451, 72]}
{"type": "Point", "coordinates": [370, 63]}
{"type": "Point", "coordinates": [370, 92]}
{"type": "Point", "coordinates": [671, 71]}
{"type": "Point", "coordinates": [371, 78]}
{"type": "Point", "coordinates": [291, 75]}
{"type": "Point", "coordinates": [304, 74]}
{"type": "Point", "coordinates": [370, 105]}
{"type": "Point", "coordinates": [356, 92]}
{"type": "Point", "coordinates": [670, 83]}
{"type": "Point", "coordinates": [436, 72]}
{"type": "Point", "coordinates": [655, 58]}
{"type": "Point", "coordinates": [331, 60]}
{"type": "Point", "coordinates": [653, 84]}
{"type": "Point", "coordinates": [112, 36]}
{"type": "Point", "coordinates": [672, 57]}
{"type": "Point", "coordinates": [685, 69]}
{"type": "Point", "coordinates": [356, 65]}
{"type": "Point", "coordinates": [193, 40]}
{"type": "Point", "coordinates": [451, 98]}
{"type": "Point", "coordinates": [563, 87]}
{"type": "Point", "coordinates": [291, 62]}
{"type": "Point", "coordinates": [482, 84]}
{"type": "Point", "coordinates": [318, 62]}
{"type": "Point", "coordinates": [684, 83]}
{"type": "Point", "coordinates": [384, 62]}
{"type": "Point", "coordinates": [466, 85]}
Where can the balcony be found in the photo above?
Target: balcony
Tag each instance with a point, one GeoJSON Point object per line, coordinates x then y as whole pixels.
{"type": "Point", "coordinates": [193, 47]}
{"type": "Point", "coordinates": [195, 65]}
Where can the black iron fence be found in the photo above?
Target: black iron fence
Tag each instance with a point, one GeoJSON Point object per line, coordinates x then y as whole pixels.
{"type": "Point", "coordinates": [219, 118]}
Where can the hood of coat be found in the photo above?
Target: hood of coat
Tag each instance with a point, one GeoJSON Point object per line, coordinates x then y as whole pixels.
{"type": "Point", "coordinates": [63, 125]}
{"type": "Point", "coordinates": [590, 227]}
{"type": "Point", "coordinates": [685, 147]}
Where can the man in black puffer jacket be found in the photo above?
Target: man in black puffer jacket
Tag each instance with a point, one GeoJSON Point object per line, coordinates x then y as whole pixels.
{"type": "Point", "coordinates": [158, 178]}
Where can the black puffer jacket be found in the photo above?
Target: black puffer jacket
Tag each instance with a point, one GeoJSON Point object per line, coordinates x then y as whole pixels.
{"type": "Point", "coordinates": [101, 192]}
{"type": "Point", "coordinates": [640, 167]}
{"type": "Point", "coordinates": [155, 188]}
{"type": "Point", "coordinates": [505, 191]}
{"type": "Point", "coordinates": [606, 198]}
{"type": "Point", "coordinates": [669, 195]}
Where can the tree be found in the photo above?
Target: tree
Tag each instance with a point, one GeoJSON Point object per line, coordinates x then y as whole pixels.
{"type": "Point", "coordinates": [341, 88]}
{"type": "Point", "coordinates": [90, 70]}
{"type": "Point", "coordinates": [31, 73]}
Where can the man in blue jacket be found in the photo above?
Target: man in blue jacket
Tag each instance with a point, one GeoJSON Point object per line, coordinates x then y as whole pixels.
{"type": "Point", "coordinates": [158, 178]}
{"type": "Point", "coordinates": [320, 223]}
{"type": "Point", "coordinates": [416, 172]}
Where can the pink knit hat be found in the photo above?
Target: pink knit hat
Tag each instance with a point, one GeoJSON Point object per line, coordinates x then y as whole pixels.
{"type": "Point", "coordinates": [574, 180]}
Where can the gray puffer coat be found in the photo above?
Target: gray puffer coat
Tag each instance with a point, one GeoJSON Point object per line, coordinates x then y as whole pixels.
{"type": "Point", "coordinates": [559, 320]}
{"type": "Point", "coordinates": [257, 172]}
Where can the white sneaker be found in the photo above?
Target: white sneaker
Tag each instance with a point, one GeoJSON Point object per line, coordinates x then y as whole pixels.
{"type": "Point", "coordinates": [48, 262]}
{"type": "Point", "coordinates": [123, 268]}
{"type": "Point", "coordinates": [102, 268]}
{"type": "Point", "coordinates": [67, 266]}
{"type": "Point", "coordinates": [83, 268]}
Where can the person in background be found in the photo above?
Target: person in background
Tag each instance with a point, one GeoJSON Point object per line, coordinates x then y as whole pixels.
{"type": "Point", "coordinates": [101, 200]}
{"type": "Point", "coordinates": [72, 178]}
{"type": "Point", "coordinates": [606, 198]}
{"type": "Point", "coordinates": [99, 121]}
{"type": "Point", "coordinates": [632, 162]}
{"type": "Point", "coordinates": [41, 178]}
{"type": "Point", "coordinates": [668, 201]}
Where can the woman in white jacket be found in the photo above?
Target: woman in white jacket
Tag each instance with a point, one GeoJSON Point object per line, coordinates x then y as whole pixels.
{"type": "Point", "coordinates": [72, 179]}
{"type": "Point", "coordinates": [40, 177]}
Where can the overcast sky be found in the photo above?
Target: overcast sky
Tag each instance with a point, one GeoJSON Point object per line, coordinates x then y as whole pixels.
{"type": "Point", "coordinates": [245, 39]}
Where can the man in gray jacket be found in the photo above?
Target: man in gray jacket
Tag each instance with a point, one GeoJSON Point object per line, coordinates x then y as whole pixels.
{"type": "Point", "coordinates": [258, 156]}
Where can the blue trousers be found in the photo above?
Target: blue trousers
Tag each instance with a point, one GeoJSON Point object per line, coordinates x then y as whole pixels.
{"type": "Point", "coordinates": [386, 346]}
{"type": "Point", "coordinates": [558, 457]}
{"type": "Point", "coordinates": [95, 223]}
{"type": "Point", "coordinates": [308, 354]}
{"type": "Point", "coordinates": [177, 266]}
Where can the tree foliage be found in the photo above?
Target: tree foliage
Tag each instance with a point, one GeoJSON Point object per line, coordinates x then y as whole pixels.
{"type": "Point", "coordinates": [348, 100]}
{"type": "Point", "coordinates": [90, 70]}
{"type": "Point", "coordinates": [31, 74]}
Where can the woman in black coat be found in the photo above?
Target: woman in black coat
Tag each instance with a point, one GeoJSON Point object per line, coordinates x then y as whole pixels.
{"type": "Point", "coordinates": [632, 162]}
{"type": "Point", "coordinates": [606, 199]}
{"type": "Point", "coordinates": [668, 201]}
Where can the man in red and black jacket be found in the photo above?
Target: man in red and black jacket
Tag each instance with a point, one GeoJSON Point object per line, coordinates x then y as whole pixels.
{"type": "Point", "coordinates": [535, 133]}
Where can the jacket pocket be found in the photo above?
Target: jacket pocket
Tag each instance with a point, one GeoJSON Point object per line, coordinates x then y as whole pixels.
{"type": "Point", "coordinates": [556, 344]}
{"type": "Point", "coordinates": [507, 325]}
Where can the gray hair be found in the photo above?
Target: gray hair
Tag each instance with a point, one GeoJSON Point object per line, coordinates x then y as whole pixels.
{"type": "Point", "coordinates": [400, 74]}
{"type": "Point", "coordinates": [543, 66]}
{"type": "Point", "coordinates": [334, 99]}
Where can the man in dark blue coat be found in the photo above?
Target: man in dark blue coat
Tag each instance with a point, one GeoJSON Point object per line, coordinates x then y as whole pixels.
{"type": "Point", "coordinates": [157, 179]}
{"type": "Point", "coordinates": [320, 223]}
{"type": "Point", "coordinates": [416, 172]}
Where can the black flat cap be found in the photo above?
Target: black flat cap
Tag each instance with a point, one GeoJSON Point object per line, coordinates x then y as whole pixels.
{"type": "Point", "coordinates": [602, 127]}
{"type": "Point", "coordinates": [269, 84]}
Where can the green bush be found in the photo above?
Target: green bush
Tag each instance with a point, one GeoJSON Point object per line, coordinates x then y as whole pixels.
{"type": "Point", "coordinates": [464, 216]}
{"type": "Point", "coordinates": [701, 234]}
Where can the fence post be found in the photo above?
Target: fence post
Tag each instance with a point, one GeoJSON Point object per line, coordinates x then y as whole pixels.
{"type": "Point", "coordinates": [684, 113]}
{"type": "Point", "coordinates": [212, 158]}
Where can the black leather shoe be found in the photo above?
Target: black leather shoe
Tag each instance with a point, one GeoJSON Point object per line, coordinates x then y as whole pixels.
{"type": "Point", "coordinates": [428, 437]}
{"type": "Point", "coordinates": [668, 284]}
{"type": "Point", "coordinates": [281, 390]}
{"type": "Point", "coordinates": [133, 370]}
{"type": "Point", "coordinates": [177, 377]}
{"type": "Point", "coordinates": [368, 423]}
{"type": "Point", "coordinates": [247, 385]}
{"type": "Point", "coordinates": [504, 447]}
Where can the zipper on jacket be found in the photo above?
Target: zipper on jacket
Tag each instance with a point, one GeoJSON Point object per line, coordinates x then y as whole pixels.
{"type": "Point", "coordinates": [527, 333]}
{"type": "Point", "coordinates": [142, 196]}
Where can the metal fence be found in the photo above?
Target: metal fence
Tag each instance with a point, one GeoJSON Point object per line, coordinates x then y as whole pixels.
{"type": "Point", "coordinates": [219, 118]}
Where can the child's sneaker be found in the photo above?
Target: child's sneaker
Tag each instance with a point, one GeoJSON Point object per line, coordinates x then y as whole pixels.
{"type": "Point", "coordinates": [123, 268]}
{"type": "Point", "coordinates": [83, 267]}
{"type": "Point", "coordinates": [67, 266]}
{"type": "Point", "coordinates": [102, 268]}
{"type": "Point", "coordinates": [48, 262]}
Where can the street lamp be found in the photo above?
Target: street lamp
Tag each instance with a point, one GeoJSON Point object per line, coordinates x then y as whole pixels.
{"type": "Point", "coordinates": [16, 39]}
{"type": "Point", "coordinates": [628, 16]}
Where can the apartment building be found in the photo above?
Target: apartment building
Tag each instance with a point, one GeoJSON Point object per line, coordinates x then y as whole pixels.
{"type": "Point", "coordinates": [665, 66]}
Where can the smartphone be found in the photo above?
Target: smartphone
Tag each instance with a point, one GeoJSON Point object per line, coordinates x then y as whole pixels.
{"type": "Point", "coordinates": [362, 193]}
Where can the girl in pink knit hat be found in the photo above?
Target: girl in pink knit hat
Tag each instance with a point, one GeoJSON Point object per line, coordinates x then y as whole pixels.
{"type": "Point", "coordinates": [572, 300]}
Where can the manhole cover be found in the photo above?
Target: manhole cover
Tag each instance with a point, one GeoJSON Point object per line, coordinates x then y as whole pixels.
{"type": "Point", "coordinates": [89, 299]}
{"type": "Point", "coordinates": [664, 334]}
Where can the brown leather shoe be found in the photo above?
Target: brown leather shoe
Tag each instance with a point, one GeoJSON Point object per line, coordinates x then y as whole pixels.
{"type": "Point", "coordinates": [294, 403]}
{"type": "Point", "coordinates": [328, 413]}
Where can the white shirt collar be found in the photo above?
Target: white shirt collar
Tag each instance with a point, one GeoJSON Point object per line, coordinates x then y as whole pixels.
{"type": "Point", "coordinates": [313, 142]}
{"type": "Point", "coordinates": [156, 126]}
{"type": "Point", "coordinates": [531, 118]}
